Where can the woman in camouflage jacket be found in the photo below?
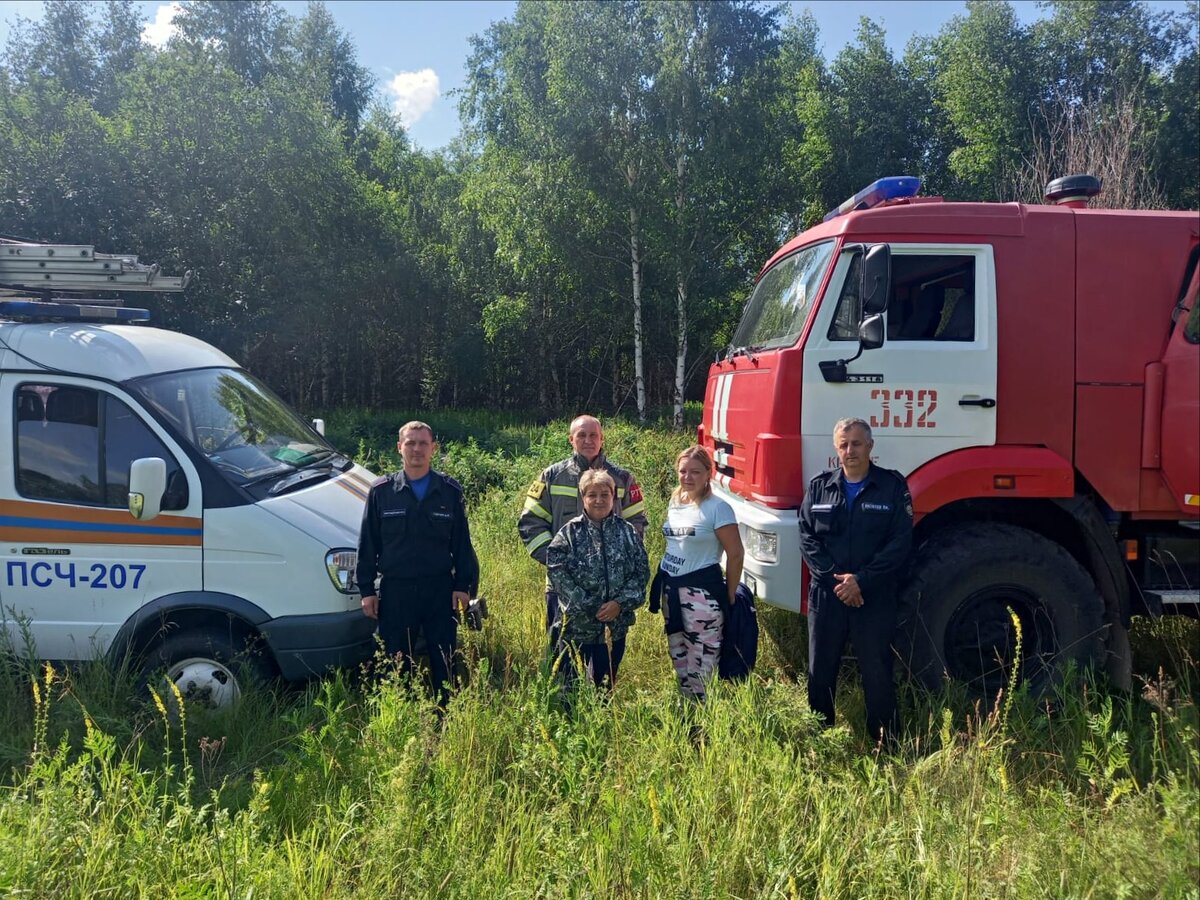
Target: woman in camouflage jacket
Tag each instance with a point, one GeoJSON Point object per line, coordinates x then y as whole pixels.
{"type": "Point", "coordinates": [598, 566]}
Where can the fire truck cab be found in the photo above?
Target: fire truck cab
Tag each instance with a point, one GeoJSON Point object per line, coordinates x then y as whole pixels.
{"type": "Point", "coordinates": [1033, 370]}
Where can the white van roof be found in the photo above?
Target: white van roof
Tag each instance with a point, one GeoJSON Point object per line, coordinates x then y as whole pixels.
{"type": "Point", "coordinates": [115, 352]}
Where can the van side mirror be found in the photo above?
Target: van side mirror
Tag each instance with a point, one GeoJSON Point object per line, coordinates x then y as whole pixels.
{"type": "Point", "coordinates": [870, 332]}
{"type": "Point", "coordinates": [147, 483]}
{"type": "Point", "coordinates": [876, 279]}
{"type": "Point", "coordinates": [319, 426]}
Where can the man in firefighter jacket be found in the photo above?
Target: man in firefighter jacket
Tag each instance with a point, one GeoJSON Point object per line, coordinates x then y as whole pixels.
{"type": "Point", "coordinates": [855, 533]}
{"type": "Point", "coordinates": [553, 499]}
{"type": "Point", "coordinates": [415, 534]}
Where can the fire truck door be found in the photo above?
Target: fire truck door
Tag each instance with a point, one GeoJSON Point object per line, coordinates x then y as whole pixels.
{"type": "Point", "coordinates": [931, 388]}
{"type": "Point", "coordinates": [1180, 415]}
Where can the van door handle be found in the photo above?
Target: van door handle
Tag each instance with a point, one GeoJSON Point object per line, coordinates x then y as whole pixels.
{"type": "Point", "coordinates": [985, 402]}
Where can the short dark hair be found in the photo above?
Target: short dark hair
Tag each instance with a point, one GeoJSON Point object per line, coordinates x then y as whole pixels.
{"type": "Point", "coordinates": [415, 426]}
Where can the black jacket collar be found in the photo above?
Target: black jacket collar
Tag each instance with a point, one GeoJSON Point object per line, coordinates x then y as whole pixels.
{"type": "Point", "coordinates": [582, 464]}
{"type": "Point", "coordinates": [839, 476]}
{"type": "Point", "coordinates": [400, 481]}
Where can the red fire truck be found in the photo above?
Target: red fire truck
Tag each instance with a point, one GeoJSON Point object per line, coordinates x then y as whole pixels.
{"type": "Point", "coordinates": [1033, 370]}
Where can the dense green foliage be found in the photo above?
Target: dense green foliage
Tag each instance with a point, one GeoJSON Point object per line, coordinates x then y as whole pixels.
{"type": "Point", "coordinates": [352, 788]}
{"type": "Point", "coordinates": [623, 170]}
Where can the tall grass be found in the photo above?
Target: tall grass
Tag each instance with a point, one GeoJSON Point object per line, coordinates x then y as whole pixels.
{"type": "Point", "coordinates": [355, 787]}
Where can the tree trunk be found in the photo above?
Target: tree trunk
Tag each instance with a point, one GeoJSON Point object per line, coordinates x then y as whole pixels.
{"type": "Point", "coordinates": [681, 345]}
{"type": "Point", "coordinates": [635, 265]}
{"type": "Point", "coordinates": [681, 289]}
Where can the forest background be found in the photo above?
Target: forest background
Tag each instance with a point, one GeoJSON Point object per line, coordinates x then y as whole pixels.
{"type": "Point", "coordinates": [622, 172]}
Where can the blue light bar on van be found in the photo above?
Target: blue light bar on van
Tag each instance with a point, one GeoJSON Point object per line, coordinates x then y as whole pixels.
{"type": "Point", "coordinates": [877, 192]}
{"type": "Point", "coordinates": [71, 312]}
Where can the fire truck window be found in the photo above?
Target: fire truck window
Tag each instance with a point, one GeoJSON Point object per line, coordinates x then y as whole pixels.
{"type": "Point", "coordinates": [844, 326]}
{"type": "Point", "coordinates": [58, 452]}
{"type": "Point", "coordinates": [75, 445]}
{"type": "Point", "coordinates": [126, 438]}
{"type": "Point", "coordinates": [776, 311]}
{"type": "Point", "coordinates": [933, 299]}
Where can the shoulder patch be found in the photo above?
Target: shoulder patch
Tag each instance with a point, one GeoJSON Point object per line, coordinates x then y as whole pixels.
{"type": "Point", "coordinates": [536, 490]}
{"type": "Point", "coordinates": [908, 507]}
{"type": "Point", "coordinates": [634, 494]}
{"type": "Point", "coordinates": [382, 479]}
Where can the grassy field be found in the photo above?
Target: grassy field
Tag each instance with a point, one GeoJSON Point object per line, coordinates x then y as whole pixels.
{"type": "Point", "coordinates": [351, 788]}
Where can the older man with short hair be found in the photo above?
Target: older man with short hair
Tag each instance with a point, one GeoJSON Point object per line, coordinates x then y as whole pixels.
{"type": "Point", "coordinates": [553, 500]}
{"type": "Point", "coordinates": [855, 534]}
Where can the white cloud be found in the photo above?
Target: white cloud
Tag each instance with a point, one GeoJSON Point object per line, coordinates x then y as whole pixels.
{"type": "Point", "coordinates": [413, 94]}
{"type": "Point", "coordinates": [162, 29]}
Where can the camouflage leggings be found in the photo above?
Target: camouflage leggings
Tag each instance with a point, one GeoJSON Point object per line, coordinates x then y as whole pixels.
{"type": "Point", "coordinates": [696, 648]}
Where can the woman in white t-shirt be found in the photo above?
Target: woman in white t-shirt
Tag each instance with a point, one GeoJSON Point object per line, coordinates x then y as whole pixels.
{"type": "Point", "coordinates": [700, 527]}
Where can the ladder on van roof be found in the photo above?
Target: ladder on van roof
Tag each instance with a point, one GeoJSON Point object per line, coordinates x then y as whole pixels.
{"type": "Point", "coordinates": [75, 268]}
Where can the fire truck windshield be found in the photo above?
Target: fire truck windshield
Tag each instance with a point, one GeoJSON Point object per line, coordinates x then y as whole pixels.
{"type": "Point", "coordinates": [779, 305]}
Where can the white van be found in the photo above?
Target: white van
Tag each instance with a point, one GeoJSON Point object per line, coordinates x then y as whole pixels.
{"type": "Point", "coordinates": [158, 500]}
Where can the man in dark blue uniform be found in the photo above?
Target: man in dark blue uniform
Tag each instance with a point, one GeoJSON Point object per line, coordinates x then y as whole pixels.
{"type": "Point", "coordinates": [415, 534]}
{"type": "Point", "coordinates": [855, 534]}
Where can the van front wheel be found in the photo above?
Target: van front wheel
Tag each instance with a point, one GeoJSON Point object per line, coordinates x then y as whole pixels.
{"type": "Point", "coordinates": [209, 666]}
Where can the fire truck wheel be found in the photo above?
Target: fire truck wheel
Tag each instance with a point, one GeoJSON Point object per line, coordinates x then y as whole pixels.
{"type": "Point", "coordinates": [210, 666]}
{"type": "Point", "coordinates": [957, 611]}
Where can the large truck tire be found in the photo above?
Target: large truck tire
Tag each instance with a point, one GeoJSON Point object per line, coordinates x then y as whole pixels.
{"type": "Point", "coordinates": [955, 620]}
{"type": "Point", "coordinates": [210, 665]}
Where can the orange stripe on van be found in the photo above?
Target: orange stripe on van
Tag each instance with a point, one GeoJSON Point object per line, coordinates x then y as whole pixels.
{"type": "Point", "coordinates": [352, 486]}
{"type": "Point", "coordinates": [24, 521]}
{"type": "Point", "coordinates": [67, 536]}
{"type": "Point", "coordinates": [364, 483]}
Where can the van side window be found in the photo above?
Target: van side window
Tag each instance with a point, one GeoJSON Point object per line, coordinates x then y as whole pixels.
{"type": "Point", "coordinates": [75, 445]}
{"type": "Point", "coordinates": [127, 438]}
{"type": "Point", "coordinates": [932, 299]}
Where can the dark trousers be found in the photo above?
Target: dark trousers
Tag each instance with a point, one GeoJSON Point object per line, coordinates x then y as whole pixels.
{"type": "Point", "coordinates": [869, 628]}
{"type": "Point", "coordinates": [599, 663]}
{"type": "Point", "coordinates": [410, 609]}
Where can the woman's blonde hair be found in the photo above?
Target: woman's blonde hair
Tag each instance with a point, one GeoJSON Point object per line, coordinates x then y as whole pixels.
{"type": "Point", "coordinates": [597, 476]}
{"type": "Point", "coordinates": [700, 455]}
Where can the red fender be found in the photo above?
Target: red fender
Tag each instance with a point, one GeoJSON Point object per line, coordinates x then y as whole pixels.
{"type": "Point", "coordinates": [978, 472]}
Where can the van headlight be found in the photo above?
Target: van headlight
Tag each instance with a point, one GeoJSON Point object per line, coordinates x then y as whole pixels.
{"type": "Point", "coordinates": [762, 545]}
{"type": "Point", "coordinates": [341, 566]}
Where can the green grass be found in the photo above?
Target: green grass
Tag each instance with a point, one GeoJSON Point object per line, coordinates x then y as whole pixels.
{"type": "Point", "coordinates": [351, 788]}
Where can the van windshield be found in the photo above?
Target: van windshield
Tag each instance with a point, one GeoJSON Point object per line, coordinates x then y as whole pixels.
{"type": "Point", "coordinates": [235, 421]}
{"type": "Point", "coordinates": [779, 305]}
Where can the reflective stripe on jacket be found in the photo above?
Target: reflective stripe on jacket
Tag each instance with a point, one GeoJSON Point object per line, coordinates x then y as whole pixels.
{"type": "Point", "coordinates": [553, 499]}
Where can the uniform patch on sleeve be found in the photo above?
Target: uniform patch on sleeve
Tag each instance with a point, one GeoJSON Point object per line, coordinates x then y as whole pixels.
{"type": "Point", "coordinates": [908, 504]}
{"type": "Point", "coordinates": [635, 493]}
{"type": "Point", "coordinates": [537, 489]}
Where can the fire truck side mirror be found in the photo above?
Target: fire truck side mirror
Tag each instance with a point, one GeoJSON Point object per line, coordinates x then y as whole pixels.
{"type": "Point", "coordinates": [876, 279]}
{"type": "Point", "coordinates": [870, 332]}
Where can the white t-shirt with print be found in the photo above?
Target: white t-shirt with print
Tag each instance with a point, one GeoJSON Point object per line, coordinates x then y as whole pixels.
{"type": "Point", "coordinates": [691, 533]}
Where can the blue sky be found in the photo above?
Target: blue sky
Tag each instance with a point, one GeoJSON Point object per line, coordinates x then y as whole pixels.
{"type": "Point", "coordinates": [418, 50]}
